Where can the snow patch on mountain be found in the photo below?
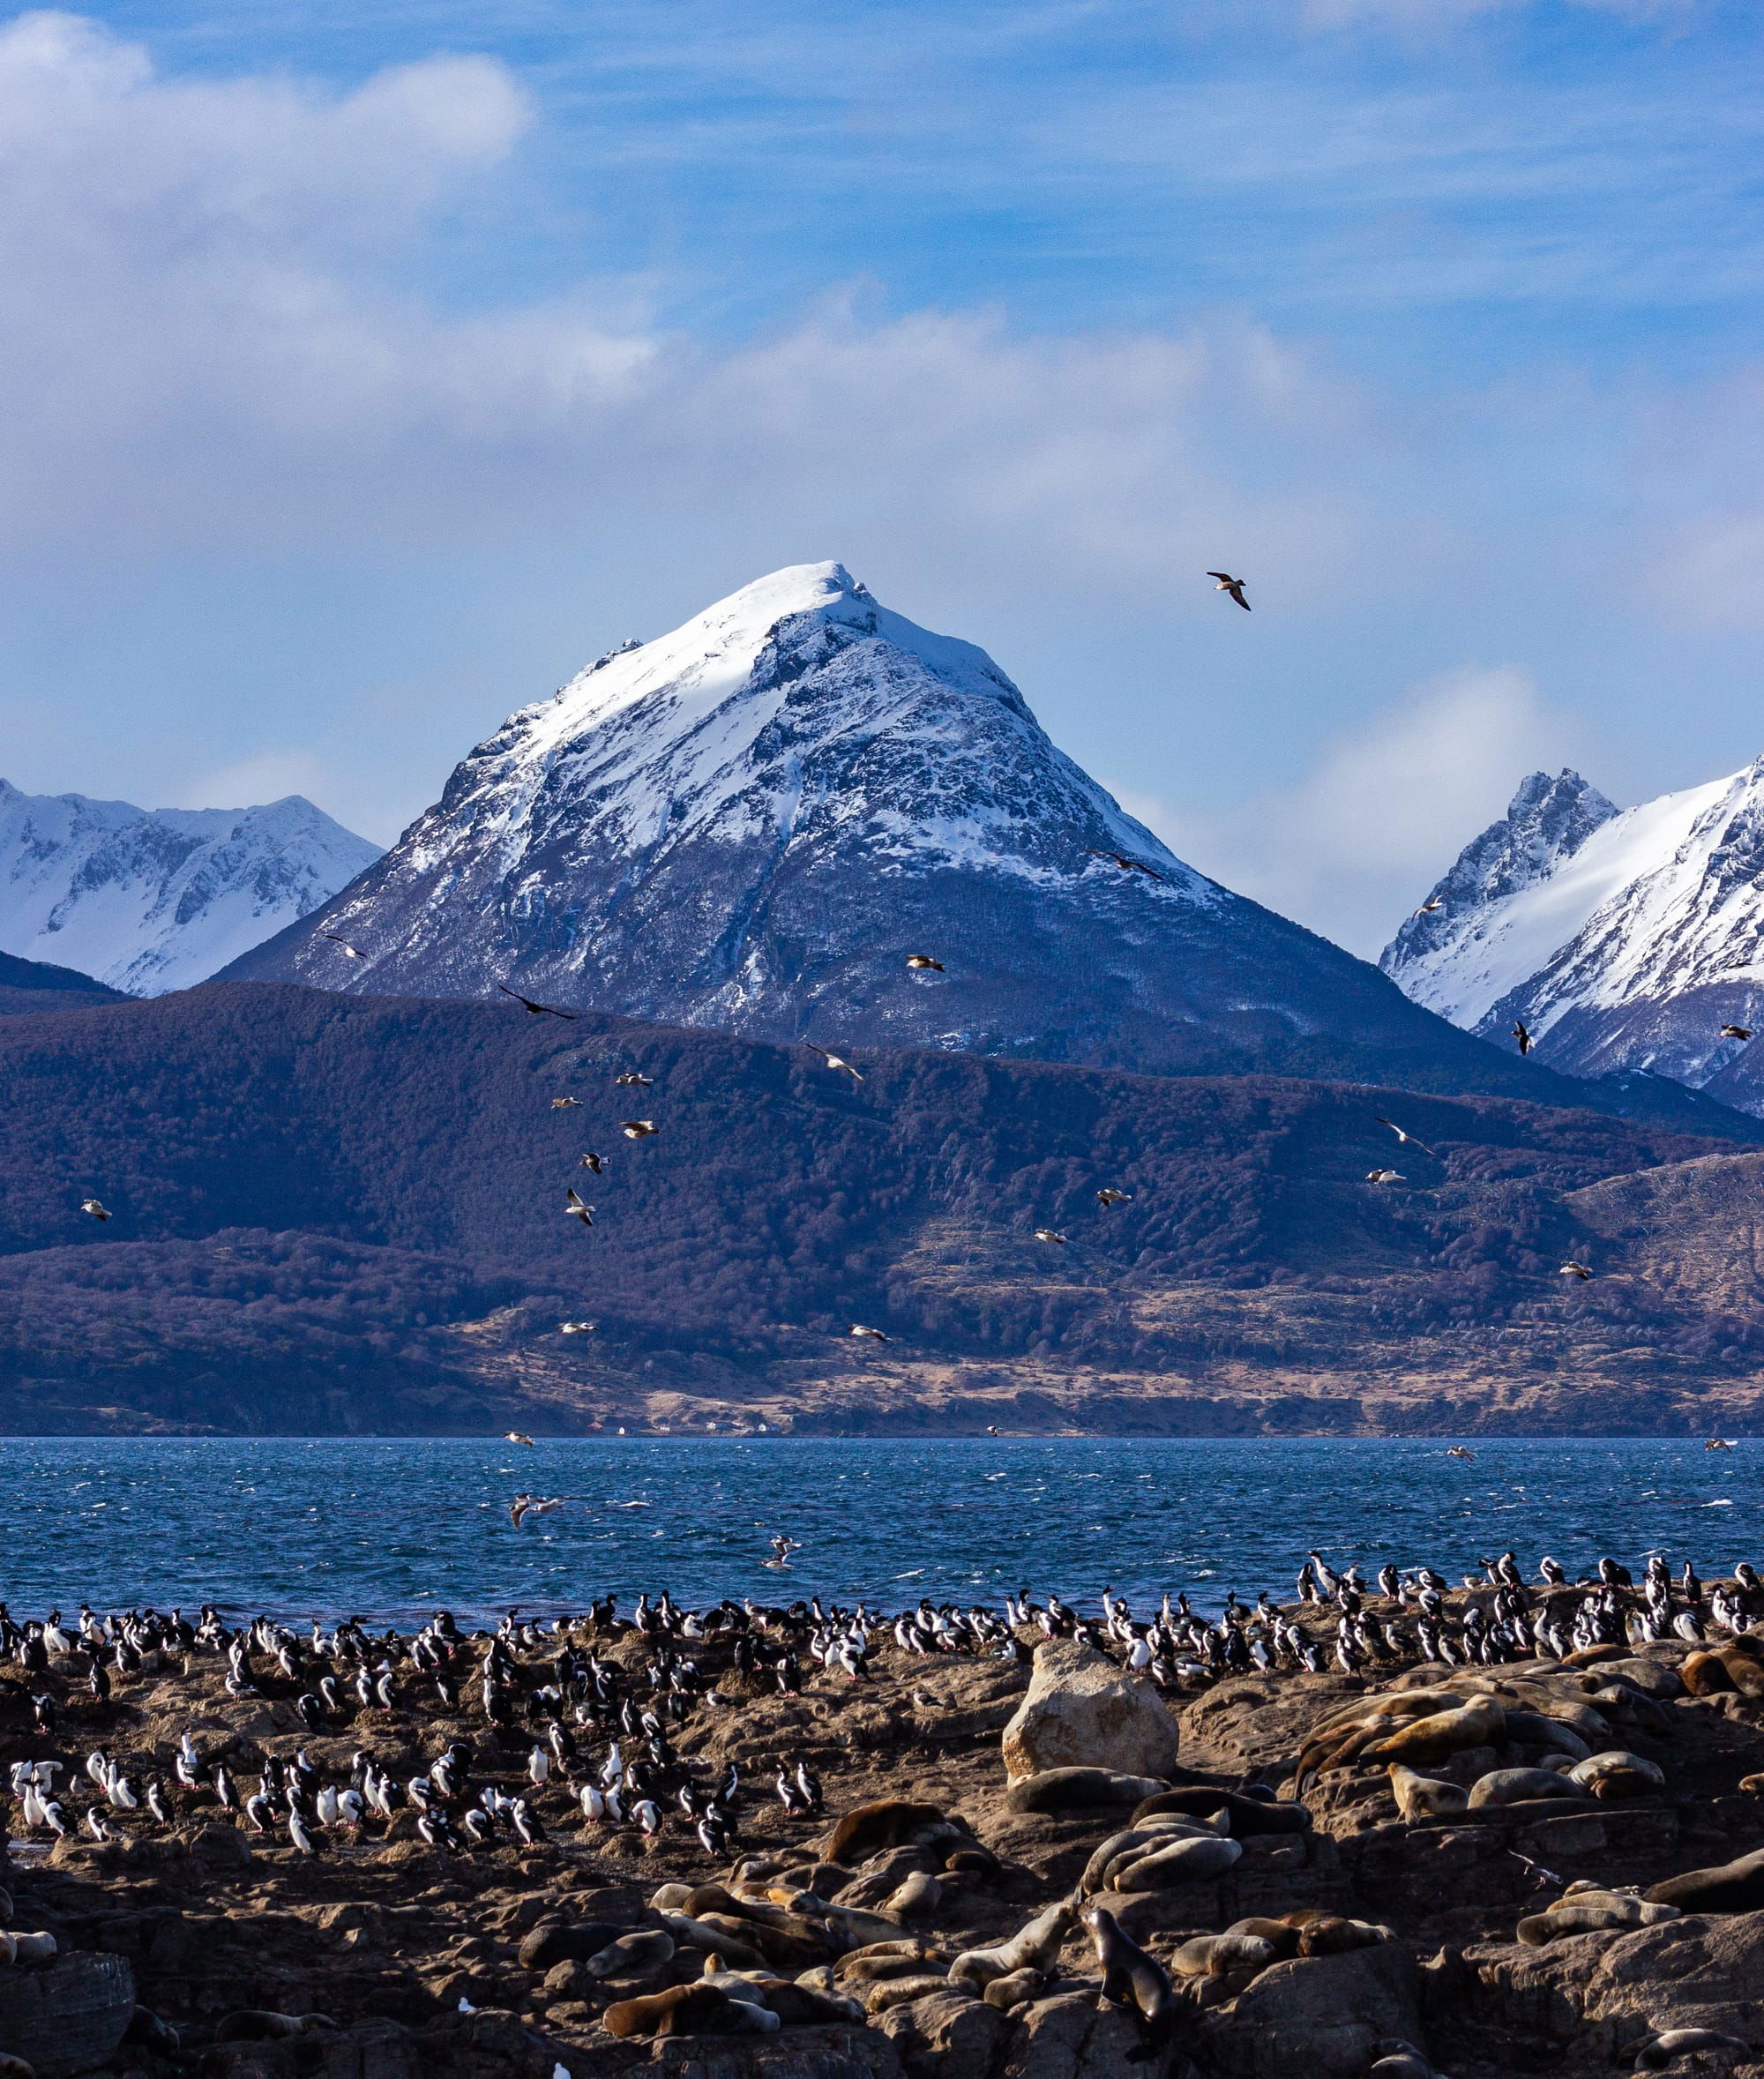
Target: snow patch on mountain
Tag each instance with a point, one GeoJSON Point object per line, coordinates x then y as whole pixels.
{"type": "Point", "coordinates": [150, 899]}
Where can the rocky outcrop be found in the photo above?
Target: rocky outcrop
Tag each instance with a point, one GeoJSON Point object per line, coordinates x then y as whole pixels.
{"type": "Point", "coordinates": [1083, 1711]}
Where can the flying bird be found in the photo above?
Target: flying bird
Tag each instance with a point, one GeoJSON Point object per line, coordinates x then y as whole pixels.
{"type": "Point", "coordinates": [919, 961]}
{"type": "Point", "coordinates": [96, 1208]}
{"type": "Point", "coordinates": [517, 1436]}
{"type": "Point", "coordinates": [532, 1505]}
{"type": "Point", "coordinates": [1571, 1270]}
{"type": "Point", "coordinates": [1109, 1196]}
{"type": "Point", "coordinates": [1385, 1177]}
{"type": "Point", "coordinates": [833, 1060]}
{"type": "Point", "coordinates": [1736, 1032]}
{"type": "Point", "coordinates": [1234, 585]}
{"type": "Point", "coordinates": [353, 952]}
{"type": "Point", "coordinates": [596, 1163]}
{"type": "Point", "coordinates": [638, 1129]}
{"type": "Point", "coordinates": [538, 1010]}
{"type": "Point", "coordinates": [1522, 1033]}
{"type": "Point", "coordinates": [1719, 1444]}
{"type": "Point", "coordinates": [576, 1208]}
{"type": "Point", "coordinates": [577, 1327]}
{"type": "Point", "coordinates": [1049, 1234]}
{"type": "Point", "coordinates": [1460, 1451]}
{"type": "Point", "coordinates": [1433, 904]}
{"type": "Point", "coordinates": [565, 1104]}
{"type": "Point", "coordinates": [1407, 1139]}
{"type": "Point", "coordinates": [632, 1080]}
{"type": "Point", "coordinates": [874, 1335]}
{"type": "Point", "coordinates": [1127, 864]}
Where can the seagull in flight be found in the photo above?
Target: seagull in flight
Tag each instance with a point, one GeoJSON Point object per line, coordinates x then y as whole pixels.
{"type": "Point", "coordinates": [1234, 585]}
{"type": "Point", "coordinates": [1719, 1444]}
{"type": "Point", "coordinates": [538, 1010]}
{"type": "Point", "coordinates": [1108, 1196]}
{"type": "Point", "coordinates": [1741, 1032]}
{"type": "Point", "coordinates": [565, 1104]}
{"type": "Point", "coordinates": [633, 1080]}
{"type": "Point", "coordinates": [518, 1436]}
{"type": "Point", "coordinates": [353, 952]}
{"type": "Point", "coordinates": [874, 1335]}
{"type": "Point", "coordinates": [96, 1208]}
{"type": "Point", "coordinates": [1571, 1270]}
{"type": "Point", "coordinates": [919, 961]}
{"type": "Point", "coordinates": [577, 1327]}
{"type": "Point", "coordinates": [1127, 864]}
{"type": "Point", "coordinates": [1407, 1139]}
{"type": "Point", "coordinates": [833, 1060]}
{"type": "Point", "coordinates": [596, 1163]}
{"type": "Point", "coordinates": [638, 1129]}
{"type": "Point", "coordinates": [1522, 1033]}
{"type": "Point", "coordinates": [1460, 1451]}
{"type": "Point", "coordinates": [1049, 1234]}
{"type": "Point", "coordinates": [577, 1208]}
{"type": "Point", "coordinates": [1385, 1177]}
{"type": "Point", "coordinates": [1433, 904]}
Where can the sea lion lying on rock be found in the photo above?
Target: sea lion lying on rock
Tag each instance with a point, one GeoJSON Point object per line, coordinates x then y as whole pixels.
{"type": "Point", "coordinates": [255, 2024]}
{"type": "Point", "coordinates": [1736, 1886]}
{"type": "Point", "coordinates": [1424, 1796]}
{"type": "Point", "coordinates": [1591, 1913]}
{"type": "Point", "coordinates": [1616, 1774]}
{"type": "Point", "coordinates": [1393, 2058]}
{"type": "Point", "coordinates": [568, 1942]}
{"type": "Point", "coordinates": [891, 1822]}
{"type": "Point", "coordinates": [1124, 1846]}
{"type": "Point", "coordinates": [1672, 2043]}
{"type": "Point", "coordinates": [1248, 1815]}
{"type": "Point", "coordinates": [697, 2009]}
{"type": "Point", "coordinates": [1520, 1786]}
{"type": "Point", "coordinates": [1072, 1790]}
{"type": "Point", "coordinates": [1189, 1860]}
{"type": "Point", "coordinates": [1033, 1947]}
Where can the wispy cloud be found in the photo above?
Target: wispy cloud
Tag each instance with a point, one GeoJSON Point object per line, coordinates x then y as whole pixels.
{"type": "Point", "coordinates": [1354, 843]}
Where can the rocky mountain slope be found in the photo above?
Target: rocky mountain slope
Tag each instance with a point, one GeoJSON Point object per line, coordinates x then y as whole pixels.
{"type": "Point", "coordinates": [149, 900]}
{"type": "Point", "coordinates": [753, 822]}
{"type": "Point", "coordinates": [1623, 940]}
{"type": "Point", "coordinates": [333, 1213]}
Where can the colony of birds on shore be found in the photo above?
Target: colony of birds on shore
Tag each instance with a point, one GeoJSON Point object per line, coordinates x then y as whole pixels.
{"type": "Point", "coordinates": [601, 1736]}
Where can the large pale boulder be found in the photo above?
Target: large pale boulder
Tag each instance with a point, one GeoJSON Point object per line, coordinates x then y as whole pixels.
{"type": "Point", "coordinates": [1082, 1711]}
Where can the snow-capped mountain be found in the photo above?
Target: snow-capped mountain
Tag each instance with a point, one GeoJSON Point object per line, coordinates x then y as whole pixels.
{"type": "Point", "coordinates": [149, 900]}
{"type": "Point", "coordinates": [1623, 940]}
{"type": "Point", "coordinates": [753, 822]}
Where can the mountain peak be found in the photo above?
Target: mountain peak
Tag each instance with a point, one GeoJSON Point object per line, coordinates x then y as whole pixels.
{"type": "Point", "coordinates": [148, 899]}
{"type": "Point", "coordinates": [752, 821]}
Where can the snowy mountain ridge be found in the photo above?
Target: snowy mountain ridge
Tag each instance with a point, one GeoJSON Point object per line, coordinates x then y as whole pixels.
{"type": "Point", "coordinates": [151, 900]}
{"type": "Point", "coordinates": [1633, 938]}
{"type": "Point", "coordinates": [751, 822]}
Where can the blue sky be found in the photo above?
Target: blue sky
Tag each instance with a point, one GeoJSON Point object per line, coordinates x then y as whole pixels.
{"type": "Point", "coordinates": [366, 371]}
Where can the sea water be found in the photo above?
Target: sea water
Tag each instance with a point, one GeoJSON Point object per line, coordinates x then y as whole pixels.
{"type": "Point", "coordinates": [391, 1528]}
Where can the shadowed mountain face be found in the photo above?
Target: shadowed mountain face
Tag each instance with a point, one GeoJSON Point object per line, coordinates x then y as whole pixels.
{"type": "Point", "coordinates": [751, 822]}
{"type": "Point", "coordinates": [34, 985]}
{"type": "Point", "coordinates": [337, 1211]}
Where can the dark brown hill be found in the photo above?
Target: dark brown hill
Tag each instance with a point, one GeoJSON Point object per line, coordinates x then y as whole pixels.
{"type": "Point", "coordinates": [348, 1212]}
{"type": "Point", "coordinates": [35, 985]}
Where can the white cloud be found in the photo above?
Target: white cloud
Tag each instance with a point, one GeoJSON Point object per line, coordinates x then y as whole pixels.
{"type": "Point", "coordinates": [1351, 846]}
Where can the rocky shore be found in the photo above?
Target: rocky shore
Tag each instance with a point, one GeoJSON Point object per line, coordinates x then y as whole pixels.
{"type": "Point", "coordinates": [998, 1853]}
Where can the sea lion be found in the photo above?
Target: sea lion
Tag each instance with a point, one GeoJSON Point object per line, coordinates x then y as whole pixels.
{"type": "Point", "coordinates": [1033, 1945]}
{"type": "Point", "coordinates": [1424, 1796]}
{"type": "Point", "coordinates": [887, 1823]}
{"type": "Point", "coordinates": [694, 2010]}
{"type": "Point", "coordinates": [1134, 1980]}
{"type": "Point", "coordinates": [1736, 1886]}
{"type": "Point", "coordinates": [255, 2024]}
{"type": "Point", "coordinates": [1073, 1790]}
{"type": "Point", "coordinates": [1014, 1988]}
{"type": "Point", "coordinates": [1518, 1786]}
{"type": "Point", "coordinates": [1248, 1815]}
{"type": "Point", "coordinates": [1704, 1674]}
{"type": "Point", "coordinates": [645, 1948]}
{"type": "Point", "coordinates": [1480, 1722]}
{"type": "Point", "coordinates": [1617, 1774]}
{"type": "Point", "coordinates": [1166, 1828]}
{"type": "Point", "coordinates": [566, 1941]}
{"type": "Point", "coordinates": [1672, 2043]}
{"type": "Point", "coordinates": [1189, 1861]}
